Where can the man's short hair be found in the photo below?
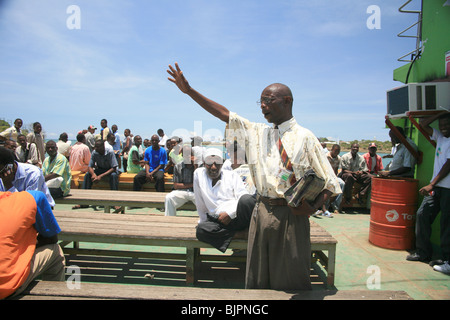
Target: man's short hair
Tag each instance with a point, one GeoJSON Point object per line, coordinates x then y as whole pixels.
{"type": "Point", "coordinates": [335, 146]}
{"type": "Point", "coordinates": [402, 132]}
{"type": "Point", "coordinates": [6, 156]}
{"type": "Point", "coordinates": [80, 137]}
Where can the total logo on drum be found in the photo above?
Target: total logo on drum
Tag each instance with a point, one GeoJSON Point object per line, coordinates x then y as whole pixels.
{"type": "Point", "coordinates": [393, 215]}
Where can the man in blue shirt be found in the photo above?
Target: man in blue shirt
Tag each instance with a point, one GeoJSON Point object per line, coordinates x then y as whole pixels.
{"type": "Point", "coordinates": [117, 145]}
{"type": "Point", "coordinates": [155, 159]}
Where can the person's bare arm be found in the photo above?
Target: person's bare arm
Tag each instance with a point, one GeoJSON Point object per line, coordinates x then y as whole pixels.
{"type": "Point", "coordinates": [214, 108]}
{"type": "Point", "coordinates": [445, 170]}
{"type": "Point", "coordinates": [426, 122]}
{"type": "Point", "coordinates": [51, 176]}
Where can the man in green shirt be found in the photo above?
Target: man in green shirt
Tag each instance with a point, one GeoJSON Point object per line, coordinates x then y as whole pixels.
{"type": "Point", "coordinates": [135, 159]}
{"type": "Point", "coordinates": [56, 170]}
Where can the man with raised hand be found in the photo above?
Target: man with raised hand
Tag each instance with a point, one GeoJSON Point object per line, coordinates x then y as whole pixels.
{"type": "Point", "coordinates": [279, 248]}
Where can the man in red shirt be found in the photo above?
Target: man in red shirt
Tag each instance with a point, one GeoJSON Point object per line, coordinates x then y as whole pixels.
{"type": "Point", "coordinates": [373, 161]}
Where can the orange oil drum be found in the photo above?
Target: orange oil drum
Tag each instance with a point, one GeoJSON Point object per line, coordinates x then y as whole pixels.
{"type": "Point", "coordinates": [392, 212]}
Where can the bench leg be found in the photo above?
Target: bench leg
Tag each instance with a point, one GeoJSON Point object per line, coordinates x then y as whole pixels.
{"type": "Point", "coordinates": [192, 260]}
{"type": "Point", "coordinates": [107, 209]}
{"type": "Point", "coordinates": [331, 266]}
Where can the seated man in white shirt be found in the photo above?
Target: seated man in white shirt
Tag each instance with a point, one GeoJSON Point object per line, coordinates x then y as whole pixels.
{"type": "Point", "coordinates": [183, 185]}
{"type": "Point", "coordinates": [27, 152]}
{"type": "Point", "coordinates": [64, 145]}
{"type": "Point", "coordinates": [110, 138]}
{"type": "Point", "coordinates": [223, 203]}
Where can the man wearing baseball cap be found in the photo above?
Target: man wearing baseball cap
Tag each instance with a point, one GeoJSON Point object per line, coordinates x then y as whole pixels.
{"type": "Point", "coordinates": [373, 161]}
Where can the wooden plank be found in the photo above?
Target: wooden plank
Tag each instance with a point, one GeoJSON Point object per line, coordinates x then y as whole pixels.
{"type": "Point", "coordinates": [49, 290]}
{"type": "Point", "coordinates": [113, 194]}
{"type": "Point", "coordinates": [127, 224]}
{"type": "Point", "coordinates": [125, 182]}
{"type": "Point", "coordinates": [118, 198]}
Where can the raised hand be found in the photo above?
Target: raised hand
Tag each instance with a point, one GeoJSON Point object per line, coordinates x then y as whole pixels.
{"type": "Point", "coordinates": [178, 78]}
{"type": "Point", "coordinates": [216, 109]}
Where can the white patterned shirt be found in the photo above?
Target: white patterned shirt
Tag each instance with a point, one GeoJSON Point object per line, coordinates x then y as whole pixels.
{"type": "Point", "coordinates": [301, 145]}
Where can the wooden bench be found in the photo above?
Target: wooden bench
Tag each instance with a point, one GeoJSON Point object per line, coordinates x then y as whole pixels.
{"type": "Point", "coordinates": [43, 290]}
{"type": "Point", "coordinates": [111, 198]}
{"type": "Point", "coordinates": [158, 230]}
{"type": "Point", "coordinates": [125, 182]}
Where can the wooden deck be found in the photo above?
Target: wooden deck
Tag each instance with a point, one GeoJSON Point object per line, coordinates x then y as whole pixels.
{"type": "Point", "coordinates": [46, 290]}
{"type": "Point", "coordinates": [110, 198]}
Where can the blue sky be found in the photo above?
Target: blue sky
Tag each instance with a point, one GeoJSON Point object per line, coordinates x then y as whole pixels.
{"type": "Point", "coordinates": [114, 66]}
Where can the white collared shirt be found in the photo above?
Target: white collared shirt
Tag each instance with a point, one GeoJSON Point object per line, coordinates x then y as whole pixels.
{"type": "Point", "coordinates": [222, 197]}
{"type": "Point", "coordinates": [441, 156]}
{"type": "Point", "coordinates": [301, 145]}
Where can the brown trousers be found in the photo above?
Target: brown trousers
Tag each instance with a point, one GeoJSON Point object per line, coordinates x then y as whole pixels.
{"type": "Point", "coordinates": [350, 178]}
{"type": "Point", "coordinates": [49, 262]}
{"type": "Point", "coordinates": [279, 249]}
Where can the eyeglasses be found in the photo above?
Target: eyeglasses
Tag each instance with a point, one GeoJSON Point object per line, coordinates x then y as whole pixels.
{"type": "Point", "coordinates": [209, 162]}
{"type": "Point", "coordinates": [265, 100]}
{"type": "Point", "coordinates": [6, 169]}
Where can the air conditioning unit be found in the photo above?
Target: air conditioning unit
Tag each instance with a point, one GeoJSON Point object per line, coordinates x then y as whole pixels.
{"type": "Point", "coordinates": [417, 97]}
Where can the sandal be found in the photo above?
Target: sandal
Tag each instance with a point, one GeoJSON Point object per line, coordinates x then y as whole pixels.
{"type": "Point", "coordinates": [119, 209]}
{"type": "Point", "coordinates": [79, 206]}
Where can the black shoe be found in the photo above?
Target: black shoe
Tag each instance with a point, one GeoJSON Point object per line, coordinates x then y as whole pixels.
{"type": "Point", "coordinates": [436, 262]}
{"type": "Point", "coordinates": [416, 257]}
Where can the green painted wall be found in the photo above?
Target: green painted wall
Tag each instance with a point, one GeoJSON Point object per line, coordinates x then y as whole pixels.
{"type": "Point", "coordinates": [436, 42]}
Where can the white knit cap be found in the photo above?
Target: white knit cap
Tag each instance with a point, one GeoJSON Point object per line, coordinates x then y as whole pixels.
{"type": "Point", "coordinates": [213, 152]}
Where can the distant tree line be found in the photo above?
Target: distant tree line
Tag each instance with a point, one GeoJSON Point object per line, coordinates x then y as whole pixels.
{"type": "Point", "coordinates": [382, 146]}
{"type": "Point", "coordinates": [26, 128]}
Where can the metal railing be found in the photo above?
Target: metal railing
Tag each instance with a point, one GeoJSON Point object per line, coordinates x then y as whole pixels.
{"type": "Point", "coordinates": [416, 52]}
